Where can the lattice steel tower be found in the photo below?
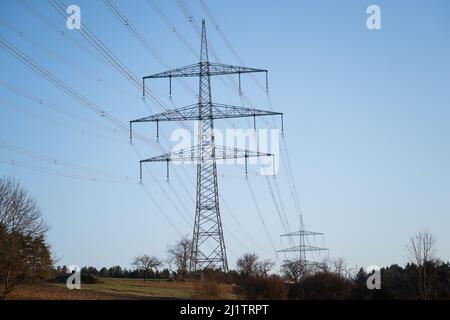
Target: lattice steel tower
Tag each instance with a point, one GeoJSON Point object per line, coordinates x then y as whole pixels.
{"type": "Point", "coordinates": [303, 244]}
{"type": "Point", "coordinates": [208, 244]}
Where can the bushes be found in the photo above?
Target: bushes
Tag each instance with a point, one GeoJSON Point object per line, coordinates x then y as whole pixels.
{"type": "Point", "coordinates": [262, 288]}
{"type": "Point", "coordinates": [88, 278]}
{"type": "Point", "coordinates": [89, 275]}
{"type": "Point", "coordinates": [209, 290]}
{"type": "Point", "coordinates": [253, 280]}
{"type": "Point", "coordinates": [210, 284]}
{"type": "Point", "coordinates": [213, 286]}
{"type": "Point", "coordinates": [321, 285]}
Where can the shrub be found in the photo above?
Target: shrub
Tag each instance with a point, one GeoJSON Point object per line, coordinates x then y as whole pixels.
{"type": "Point", "coordinates": [262, 288]}
{"type": "Point", "coordinates": [320, 286]}
{"type": "Point", "coordinates": [209, 290]}
{"type": "Point", "coordinates": [86, 277]}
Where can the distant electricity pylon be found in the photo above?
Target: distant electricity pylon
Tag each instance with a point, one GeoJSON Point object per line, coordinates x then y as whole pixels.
{"type": "Point", "coordinates": [303, 248]}
{"type": "Point", "coordinates": [208, 245]}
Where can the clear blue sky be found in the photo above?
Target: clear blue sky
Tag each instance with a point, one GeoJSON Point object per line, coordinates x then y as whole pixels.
{"type": "Point", "coordinates": [366, 119]}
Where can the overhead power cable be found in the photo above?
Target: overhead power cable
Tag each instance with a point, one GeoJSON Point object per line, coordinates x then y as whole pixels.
{"type": "Point", "coordinates": [58, 162]}
{"type": "Point", "coordinates": [255, 201]}
{"type": "Point", "coordinates": [142, 39]}
{"type": "Point", "coordinates": [40, 169]}
{"type": "Point", "coordinates": [86, 32]}
{"type": "Point", "coordinates": [10, 48]}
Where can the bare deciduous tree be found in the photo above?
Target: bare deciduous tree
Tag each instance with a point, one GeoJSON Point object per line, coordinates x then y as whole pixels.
{"type": "Point", "coordinates": [294, 270]}
{"type": "Point", "coordinates": [23, 252]}
{"type": "Point", "coordinates": [339, 267]}
{"type": "Point", "coordinates": [422, 248]}
{"type": "Point", "coordinates": [263, 267]}
{"type": "Point", "coordinates": [147, 263]}
{"type": "Point", "coordinates": [18, 211]}
{"type": "Point", "coordinates": [247, 264]}
{"type": "Point", "coordinates": [180, 256]}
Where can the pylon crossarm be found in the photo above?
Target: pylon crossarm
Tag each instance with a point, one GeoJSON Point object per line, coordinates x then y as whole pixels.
{"type": "Point", "coordinates": [184, 113]}
{"type": "Point", "coordinates": [198, 69]}
{"type": "Point", "coordinates": [222, 69]}
{"type": "Point", "coordinates": [193, 153]}
{"type": "Point", "coordinates": [303, 248]}
{"type": "Point", "coordinates": [302, 233]}
{"type": "Point", "coordinates": [186, 71]}
{"type": "Point", "coordinates": [194, 70]}
{"type": "Point", "coordinates": [219, 111]}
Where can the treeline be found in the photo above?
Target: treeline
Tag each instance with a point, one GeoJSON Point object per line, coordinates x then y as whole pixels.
{"type": "Point", "coordinates": [254, 278]}
{"type": "Point", "coordinates": [413, 281]}
{"type": "Point", "coordinates": [92, 274]}
{"type": "Point", "coordinates": [329, 281]}
{"type": "Point", "coordinates": [397, 283]}
{"type": "Point", "coordinates": [322, 281]}
{"type": "Point", "coordinates": [425, 277]}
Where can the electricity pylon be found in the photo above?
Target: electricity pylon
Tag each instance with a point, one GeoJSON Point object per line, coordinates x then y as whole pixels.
{"type": "Point", "coordinates": [208, 244]}
{"type": "Point", "coordinates": [303, 248]}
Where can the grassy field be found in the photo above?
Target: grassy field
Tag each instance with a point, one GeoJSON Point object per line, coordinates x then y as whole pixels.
{"type": "Point", "coordinates": [109, 288]}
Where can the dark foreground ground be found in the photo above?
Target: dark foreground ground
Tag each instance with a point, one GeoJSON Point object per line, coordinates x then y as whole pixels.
{"type": "Point", "coordinates": [108, 288]}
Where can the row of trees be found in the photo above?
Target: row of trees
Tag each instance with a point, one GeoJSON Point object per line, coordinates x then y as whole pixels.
{"type": "Point", "coordinates": [92, 274]}
{"type": "Point", "coordinates": [424, 277]}
{"type": "Point", "coordinates": [144, 266]}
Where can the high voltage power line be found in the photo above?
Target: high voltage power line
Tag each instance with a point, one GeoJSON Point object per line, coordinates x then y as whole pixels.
{"type": "Point", "coordinates": [62, 163]}
{"type": "Point", "coordinates": [21, 56]}
{"type": "Point", "coordinates": [145, 43]}
{"type": "Point", "coordinates": [208, 230]}
{"type": "Point", "coordinates": [54, 107]}
{"type": "Point", "coordinates": [188, 15]}
{"type": "Point", "coordinates": [134, 31]}
{"type": "Point", "coordinates": [14, 162]}
{"type": "Point", "coordinates": [284, 150]}
{"type": "Point", "coordinates": [186, 43]}
{"type": "Point", "coordinates": [276, 186]}
{"type": "Point", "coordinates": [50, 171]}
{"type": "Point", "coordinates": [68, 62]}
